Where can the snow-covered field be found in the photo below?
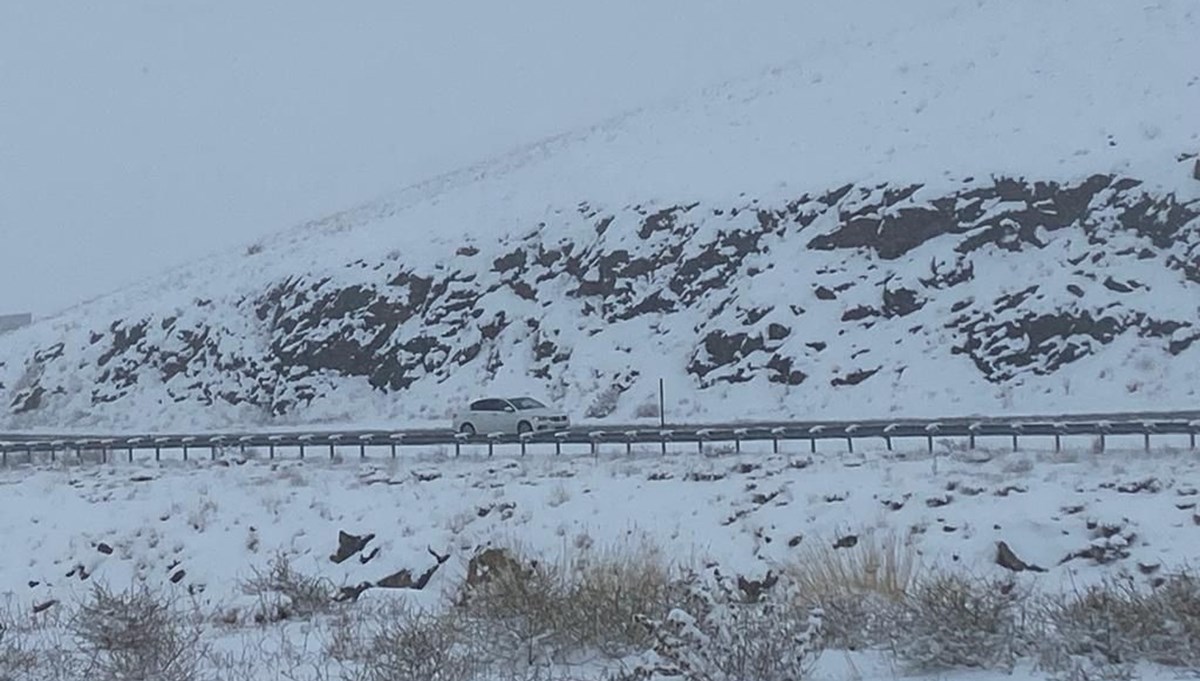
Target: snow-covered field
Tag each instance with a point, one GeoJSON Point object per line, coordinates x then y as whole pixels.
{"type": "Point", "coordinates": [202, 530]}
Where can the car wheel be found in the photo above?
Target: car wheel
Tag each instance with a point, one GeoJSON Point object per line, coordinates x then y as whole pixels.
{"type": "Point", "coordinates": [524, 427]}
{"type": "Point", "coordinates": [467, 429]}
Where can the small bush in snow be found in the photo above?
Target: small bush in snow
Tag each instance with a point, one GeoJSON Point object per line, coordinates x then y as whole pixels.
{"type": "Point", "coordinates": [720, 635]}
{"type": "Point", "coordinates": [16, 657]}
{"type": "Point", "coordinates": [400, 644]}
{"type": "Point", "coordinates": [534, 612]}
{"type": "Point", "coordinates": [859, 588]}
{"type": "Point", "coordinates": [136, 635]}
{"type": "Point", "coordinates": [284, 593]}
{"type": "Point", "coordinates": [953, 622]}
{"type": "Point", "coordinates": [1105, 630]}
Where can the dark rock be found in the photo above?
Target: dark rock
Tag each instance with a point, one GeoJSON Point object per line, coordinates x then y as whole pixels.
{"type": "Point", "coordinates": [39, 608]}
{"type": "Point", "coordinates": [178, 577]}
{"type": "Point", "coordinates": [825, 294]}
{"type": "Point", "coordinates": [104, 548]}
{"type": "Point", "coordinates": [348, 545]}
{"type": "Point", "coordinates": [1006, 558]}
{"type": "Point", "coordinates": [854, 377]}
{"type": "Point", "coordinates": [847, 542]}
{"type": "Point", "coordinates": [1148, 486]}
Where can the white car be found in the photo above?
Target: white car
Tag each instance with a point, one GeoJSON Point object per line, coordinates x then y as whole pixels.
{"type": "Point", "coordinates": [516, 415]}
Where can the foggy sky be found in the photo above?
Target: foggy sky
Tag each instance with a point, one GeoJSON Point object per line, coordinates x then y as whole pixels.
{"type": "Point", "coordinates": [134, 135]}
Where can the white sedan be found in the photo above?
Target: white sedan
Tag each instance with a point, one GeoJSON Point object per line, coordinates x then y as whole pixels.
{"type": "Point", "coordinates": [516, 415]}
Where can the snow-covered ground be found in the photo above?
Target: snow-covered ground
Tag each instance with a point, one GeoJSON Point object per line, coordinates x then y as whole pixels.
{"type": "Point", "coordinates": [201, 530]}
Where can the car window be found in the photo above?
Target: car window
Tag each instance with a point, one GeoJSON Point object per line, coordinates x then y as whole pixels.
{"type": "Point", "coordinates": [527, 403]}
{"type": "Point", "coordinates": [488, 405]}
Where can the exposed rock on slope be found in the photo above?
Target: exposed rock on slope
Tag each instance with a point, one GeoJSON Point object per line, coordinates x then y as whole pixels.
{"type": "Point", "coordinates": [858, 295]}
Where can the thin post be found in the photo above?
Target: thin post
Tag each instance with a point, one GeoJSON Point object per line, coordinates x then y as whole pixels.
{"type": "Point", "coordinates": [1193, 437]}
{"type": "Point", "coordinates": [812, 444]}
{"type": "Point", "coordinates": [558, 446]}
{"type": "Point", "coordinates": [850, 443]}
{"type": "Point", "coordinates": [4, 456]}
{"type": "Point", "coordinates": [331, 452]}
{"type": "Point", "coordinates": [362, 450]}
{"type": "Point", "coordinates": [491, 446]}
{"type": "Point", "coordinates": [1057, 443]}
{"type": "Point", "coordinates": [524, 440]}
{"type": "Point", "coordinates": [213, 452]}
{"type": "Point", "coordinates": [157, 452]}
{"type": "Point", "coordinates": [272, 448]}
{"type": "Point", "coordinates": [1014, 438]}
{"type": "Point", "coordinates": [662, 405]}
{"type": "Point", "coordinates": [301, 449]}
{"type": "Point", "coordinates": [185, 451]}
{"type": "Point", "coordinates": [1103, 442]}
{"type": "Point", "coordinates": [1146, 436]}
{"type": "Point", "coordinates": [888, 440]}
{"type": "Point", "coordinates": [393, 449]}
{"type": "Point", "coordinates": [971, 440]}
{"type": "Point", "coordinates": [130, 453]}
{"type": "Point", "coordinates": [457, 448]}
{"type": "Point", "coordinates": [775, 445]}
{"type": "Point", "coordinates": [929, 441]}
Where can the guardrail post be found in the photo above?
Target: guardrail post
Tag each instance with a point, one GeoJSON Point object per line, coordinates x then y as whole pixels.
{"type": "Point", "coordinates": [629, 437]}
{"type": "Point", "coordinates": [664, 436]}
{"type": "Point", "coordinates": [812, 438]}
{"type": "Point", "coordinates": [301, 449]}
{"type": "Point", "coordinates": [973, 429]}
{"type": "Point", "coordinates": [931, 430]}
{"type": "Point", "coordinates": [524, 437]}
{"type": "Point", "coordinates": [850, 431]}
{"type": "Point", "coordinates": [558, 442]}
{"type": "Point", "coordinates": [459, 438]}
{"type": "Point", "coordinates": [4, 456]}
{"type": "Point", "coordinates": [776, 433]}
{"type": "Point", "coordinates": [185, 451]}
{"type": "Point", "coordinates": [157, 452]}
{"type": "Point", "coordinates": [130, 450]}
{"type": "Point", "coordinates": [1149, 427]}
{"type": "Point", "coordinates": [887, 434]}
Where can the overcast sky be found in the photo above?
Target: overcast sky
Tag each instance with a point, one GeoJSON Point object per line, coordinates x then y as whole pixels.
{"type": "Point", "coordinates": [134, 135]}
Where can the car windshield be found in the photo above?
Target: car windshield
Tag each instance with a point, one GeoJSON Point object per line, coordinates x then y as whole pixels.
{"type": "Point", "coordinates": [527, 403]}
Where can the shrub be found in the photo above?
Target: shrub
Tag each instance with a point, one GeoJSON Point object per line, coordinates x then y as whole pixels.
{"type": "Point", "coordinates": [859, 588]}
{"type": "Point", "coordinates": [953, 622]}
{"type": "Point", "coordinates": [401, 644]}
{"type": "Point", "coordinates": [15, 655]}
{"type": "Point", "coordinates": [532, 611]}
{"type": "Point", "coordinates": [284, 593]}
{"type": "Point", "coordinates": [1106, 629]}
{"type": "Point", "coordinates": [136, 635]}
{"type": "Point", "coordinates": [718, 635]}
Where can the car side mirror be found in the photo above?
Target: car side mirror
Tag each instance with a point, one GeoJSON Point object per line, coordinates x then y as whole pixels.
{"type": "Point", "coordinates": [510, 409]}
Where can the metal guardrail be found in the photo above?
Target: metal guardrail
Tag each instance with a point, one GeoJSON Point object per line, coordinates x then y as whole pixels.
{"type": "Point", "coordinates": [109, 447]}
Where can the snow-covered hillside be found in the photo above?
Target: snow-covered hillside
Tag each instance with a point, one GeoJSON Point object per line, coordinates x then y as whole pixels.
{"type": "Point", "coordinates": [954, 208]}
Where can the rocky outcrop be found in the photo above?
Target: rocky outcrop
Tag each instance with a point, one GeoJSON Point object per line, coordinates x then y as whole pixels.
{"type": "Point", "coordinates": [821, 286]}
